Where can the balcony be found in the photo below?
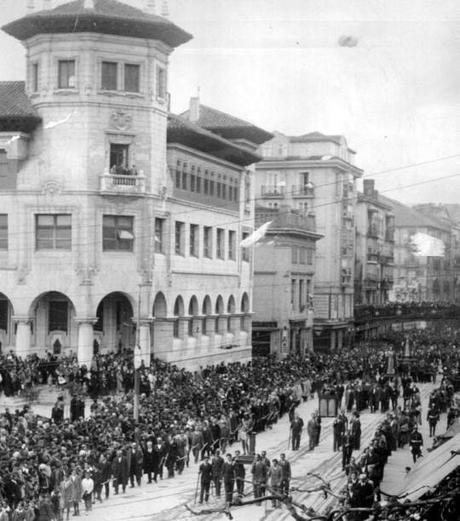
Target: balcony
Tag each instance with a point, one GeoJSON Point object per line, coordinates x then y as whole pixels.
{"type": "Point", "coordinates": [291, 220]}
{"type": "Point", "coordinates": [272, 191]}
{"type": "Point", "coordinates": [122, 184]}
{"type": "Point", "coordinates": [372, 231]}
{"type": "Point", "coordinates": [302, 191]}
{"type": "Point", "coordinates": [390, 235]}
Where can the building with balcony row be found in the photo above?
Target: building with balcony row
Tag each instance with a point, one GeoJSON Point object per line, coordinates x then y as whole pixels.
{"type": "Point", "coordinates": [315, 174]}
{"type": "Point", "coordinates": [374, 261]}
{"type": "Point", "coordinates": [284, 268]}
{"type": "Point", "coordinates": [420, 278]}
{"type": "Point", "coordinates": [119, 222]}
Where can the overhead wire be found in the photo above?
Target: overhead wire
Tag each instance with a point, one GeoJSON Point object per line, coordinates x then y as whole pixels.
{"type": "Point", "coordinates": [249, 219]}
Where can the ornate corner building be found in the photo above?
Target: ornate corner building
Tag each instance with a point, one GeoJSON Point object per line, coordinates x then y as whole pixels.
{"type": "Point", "coordinates": [119, 222]}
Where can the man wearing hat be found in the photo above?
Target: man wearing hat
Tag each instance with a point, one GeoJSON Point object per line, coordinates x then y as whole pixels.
{"type": "Point", "coordinates": [205, 471]}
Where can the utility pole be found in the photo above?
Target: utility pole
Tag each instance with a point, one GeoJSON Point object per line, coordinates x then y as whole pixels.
{"type": "Point", "coordinates": [137, 362]}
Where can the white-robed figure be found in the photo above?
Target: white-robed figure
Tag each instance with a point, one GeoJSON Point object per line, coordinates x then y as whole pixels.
{"type": "Point", "coordinates": [390, 361]}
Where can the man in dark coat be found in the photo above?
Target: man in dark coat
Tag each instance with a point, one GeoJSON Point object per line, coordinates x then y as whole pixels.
{"type": "Point", "coordinates": [240, 474]}
{"type": "Point", "coordinates": [338, 427]}
{"type": "Point", "coordinates": [228, 476]}
{"type": "Point", "coordinates": [296, 431]}
{"type": "Point", "coordinates": [311, 429]}
{"type": "Point", "coordinates": [217, 463]}
{"type": "Point", "coordinates": [205, 471]}
{"type": "Point", "coordinates": [120, 471]}
{"type": "Point", "coordinates": [355, 428]}
{"type": "Point", "coordinates": [347, 450]}
{"type": "Point", "coordinates": [285, 473]}
{"type": "Point", "coordinates": [259, 477]}
{"type": "Point", "coordinates": [416, 442]}
{"type": "Point", "coordinates": [150, 461]}
{"type": "Point", "coordinates": [135, 459]}
{"type": "Point", "coordinates": [161, 450]}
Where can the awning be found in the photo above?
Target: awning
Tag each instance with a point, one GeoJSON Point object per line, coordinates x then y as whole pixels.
{"type": "Point", "coordinates": [125, 234]}
{"type": "Point", "coordinates": [431, 469]}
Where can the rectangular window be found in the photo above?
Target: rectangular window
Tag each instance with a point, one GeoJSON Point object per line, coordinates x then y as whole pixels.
{"type": "Point", "coordinates": [159, 235]}
{"type": "Point", "coordinates": [109, 76]}
{"type": "Point", "coordinates": [178, 177]}
{"type": "Point", "coordinates": [179, 238]}
{"type": "Point", "coordinates": [132, 77]}
{"type": "Point", "coordinates": [4, 163]}
{"type": "Point", "coordinates": [220, 243]}
{"type": "Point", "coordinates": [301, 294]}
{"type": "Point", "coordinates": [161, 83]}
{"type": "Point", "coordinates": [235, 194]}
{"type": "Point", "coordinates": [66, 74]}
{"type": "Point", "coordinates": [53, 232]}
{"type": "Point", "coordinates": [4, 315]}
{"type": "Point", "coordinates": [3, 231]}
{"type": "Point", "coordinates": [198, 181]}
{"type": "Point", "coordinates": [245, 252]}
{"type": "Point", "coordinates": [184, 177]}
{"type": "Point", "coordinates": [294, 254]}
{"type": "Point", "coordinates": [302, 255]}
{"type": "Point", "coordinates": [119, 158]}
{"type": "Point", "coordinates": [117, 233]}
{"type": "Point", "coordinates": [35, 77]}
{"type": "Point", "coordinates": [218, 192]}
{"type": "Point", "coordinates": [310, 252]}
{"type": "Point", "coordinates": [207, 242]}
{"type": "Point", "coordinates": [230, 193]}
{"type": "Point", "coordinates": [58, 316]}
{"type": "Point", "coordinates": [293, 283]}
{"type": "Point", "coordinates": [224, 191]}
{"type": "Point", "coordinates": [192, 181]}
{"type": "Point", "coordinates": [211, 187]}
{"type": "Point", "coordinates": [232, 244]}
{"type": "Point", "coordinates": [194, 240]}
{"type": "Point", "coordinates": [205, 186]}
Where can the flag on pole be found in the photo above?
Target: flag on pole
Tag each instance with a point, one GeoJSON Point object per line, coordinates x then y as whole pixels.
{"type": "Point", "coordinates": [424, 245]}
{"type": "Point", "coordinates": [255, 236]}
{"type": "Point", "coordinates": [137, 357]}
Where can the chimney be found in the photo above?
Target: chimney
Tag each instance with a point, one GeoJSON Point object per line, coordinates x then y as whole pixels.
{"type": "Point", "coordinates": [150, 8]}
{"type": "Point", "coordinates": [165, 9]}
{"type": "Point", "coordinates": [368, 186]}
{"type": "Point", "coordinates": [194, 109]}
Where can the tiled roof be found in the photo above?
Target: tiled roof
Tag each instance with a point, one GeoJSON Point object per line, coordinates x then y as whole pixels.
{"type": "Point", "coordinates": [183, 131]}
{"type": "Point", "coordinates": [16, 111]}
{"type": "Point", "coordinates": [107, 16]}
{"type": "Point", "coordinates": [407, 216]}
{"type": "Point", "coordinates": [229, 126]}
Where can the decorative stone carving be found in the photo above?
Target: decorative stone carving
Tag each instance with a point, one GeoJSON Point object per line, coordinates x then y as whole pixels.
{"type": "Point", "coordinates": [51, 187]}
{"type": "Point", "coordinates": [121, 120]}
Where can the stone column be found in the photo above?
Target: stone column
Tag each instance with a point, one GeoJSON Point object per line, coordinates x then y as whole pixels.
{"type": "Point", "coordinates": [144, 340]}
{"type": "Point", "coordinates": [333, 336]}
{"type": "Point", "coordinates": [85, 341]}
{"type": "Point", "coordinates": [23, 335]}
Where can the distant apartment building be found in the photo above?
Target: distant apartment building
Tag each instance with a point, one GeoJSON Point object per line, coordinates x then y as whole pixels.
{"type": "Point", "coordinates": [284, 268]}
{"type": "Point", "coordinates": [315, 174]}
{"type": "Point", "coordinates": [420, 278]}
{"type": "Point", "coordinates": [374, 262]}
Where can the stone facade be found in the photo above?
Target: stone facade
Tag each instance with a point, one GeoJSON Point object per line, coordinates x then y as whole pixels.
{"type": "Point", "coordinates": [80, 269]}
{"type": "Point", "coordinates": [315, 174]}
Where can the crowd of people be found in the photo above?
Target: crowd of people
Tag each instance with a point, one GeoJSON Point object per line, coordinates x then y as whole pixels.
{"type": "Point", "coordinates": [48, 466]}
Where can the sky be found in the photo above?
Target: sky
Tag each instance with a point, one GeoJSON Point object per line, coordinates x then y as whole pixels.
{"type": "Point", "coordinates": [395, 95]}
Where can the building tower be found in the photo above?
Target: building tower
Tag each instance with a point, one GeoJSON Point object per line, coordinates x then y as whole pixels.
{"type": "Point", "coordinates": [84, 154]}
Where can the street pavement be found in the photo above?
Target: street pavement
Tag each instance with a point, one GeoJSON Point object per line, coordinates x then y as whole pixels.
{"type": "Point", "coordinates": [167, 500]}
